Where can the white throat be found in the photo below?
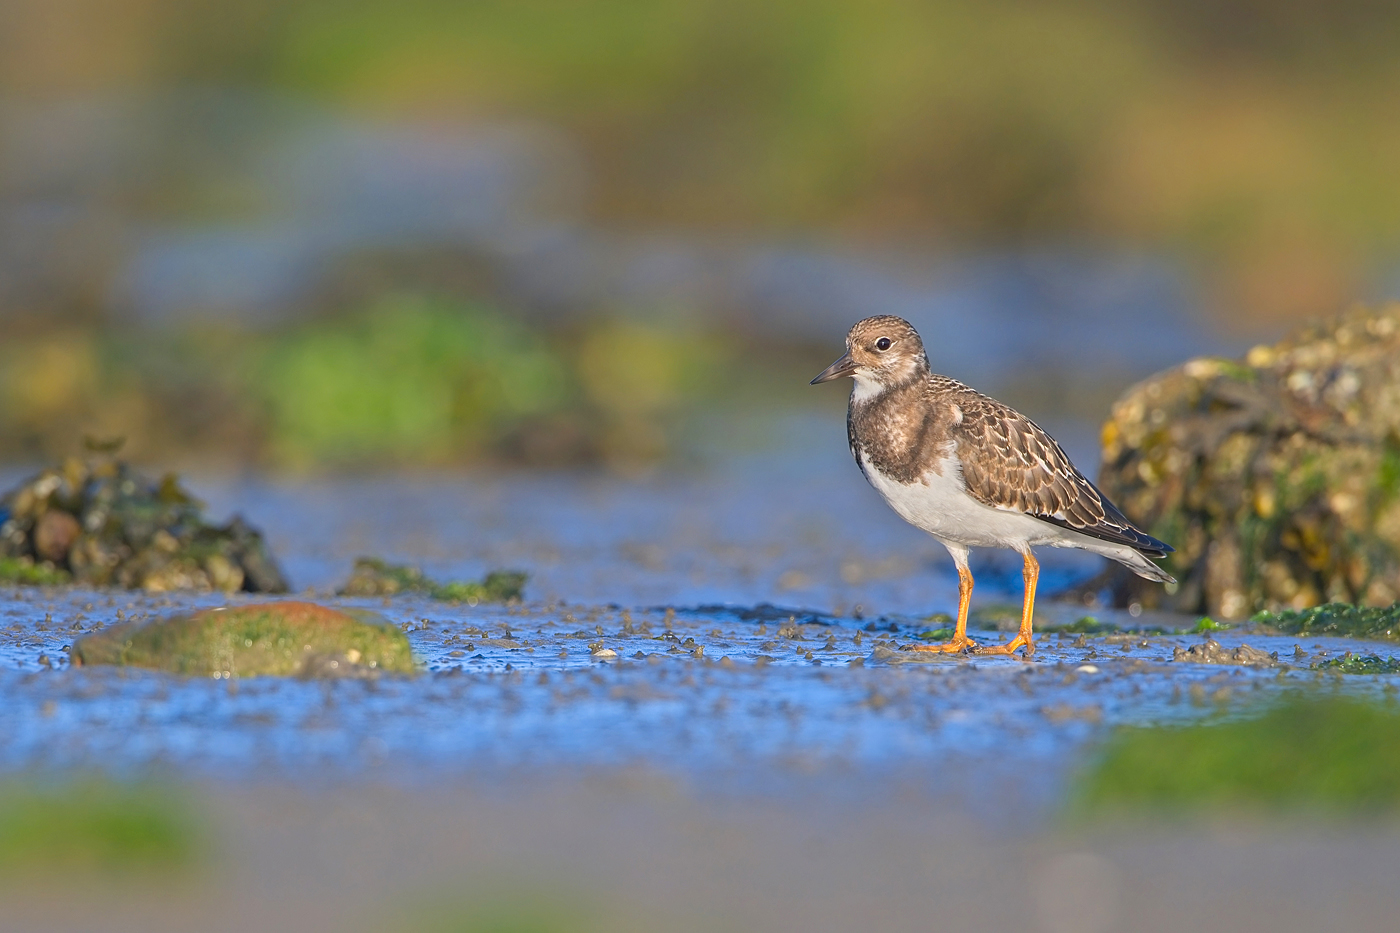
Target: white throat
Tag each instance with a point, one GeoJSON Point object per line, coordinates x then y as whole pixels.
{"type": "Point", "coordinates": [865, 388]}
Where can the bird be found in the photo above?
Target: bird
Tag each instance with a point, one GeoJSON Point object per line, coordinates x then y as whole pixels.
{"type": "Point", "coordinates": [972, 471]}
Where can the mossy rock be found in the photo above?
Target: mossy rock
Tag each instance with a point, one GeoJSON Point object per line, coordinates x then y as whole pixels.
{"type": "Point", "coordinates": [374, 577]}
{"type": "Point", "coordinates": [1364, 664]}
{"type": "Point", "coordinates": [99, 522]}
{"type": "Point", "coordinates": [1336, 619]}
{"type": "Point", "coordinates": [1306, 753]}
{"type": "Point", "coordinates": [1275, 477]}
{"type": "Point", "coordinates": [268, 639]}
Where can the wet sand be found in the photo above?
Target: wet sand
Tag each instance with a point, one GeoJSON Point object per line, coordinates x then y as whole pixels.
{"type": "Point", "coordinates": [700, 718]}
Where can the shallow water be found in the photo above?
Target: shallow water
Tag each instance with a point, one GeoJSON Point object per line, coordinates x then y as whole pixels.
{"type": "Point", "coordinates": [709, 693]}
{"type": "Point", "coordinates": [754, 609]}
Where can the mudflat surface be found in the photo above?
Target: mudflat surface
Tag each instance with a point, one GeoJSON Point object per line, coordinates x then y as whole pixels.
{"type": "Point", "coordinates": [710, 694]}
{"type": "Point", "coordinates": [701, 717]}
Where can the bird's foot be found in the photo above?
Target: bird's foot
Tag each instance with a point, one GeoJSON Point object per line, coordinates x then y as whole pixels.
{"type": "Point", "coordinates": [948, 647]}
{"type": "Point", "coordinates": [1011, 647]}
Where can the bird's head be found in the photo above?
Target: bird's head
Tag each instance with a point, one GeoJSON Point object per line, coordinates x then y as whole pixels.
{"type": "Point", "coordinates": [882, 353]}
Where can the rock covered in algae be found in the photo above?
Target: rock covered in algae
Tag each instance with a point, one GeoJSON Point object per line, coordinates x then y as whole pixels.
{"type": "Point", "coordinates": [276, 639]}
{"type": "Point", "coordinates": [374, 577]}
{"type": "Point", "coordinates": [1336, 620]}
{"type": "Point", "coordinates": [99, 522]}
{"type": "Point", "coordinates": [1363, 664]}
{"type": "Point", "coordinates": [1276, 477]}
{"type": "Point", "coordinates": [1310, 752]}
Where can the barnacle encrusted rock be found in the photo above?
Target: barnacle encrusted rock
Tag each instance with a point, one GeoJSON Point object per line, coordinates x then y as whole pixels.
{"type": "Point", "coordinates": [99, 522]}
{"type": "Point", "coordinates": [278, 639]}
{"type": "Point", "coordinates": [1276, 477]}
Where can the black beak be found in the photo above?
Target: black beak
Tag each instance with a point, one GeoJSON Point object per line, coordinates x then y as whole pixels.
{"type": "Point", "coordinates": [845, 366]}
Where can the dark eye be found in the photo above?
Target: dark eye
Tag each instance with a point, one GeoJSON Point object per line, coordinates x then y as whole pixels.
{"type": "Point", "coordinates": [883, 343]}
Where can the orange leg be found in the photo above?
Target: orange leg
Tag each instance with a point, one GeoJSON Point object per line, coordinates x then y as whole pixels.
{"type": "Point", "coordinates": [960, 640]}
{"type": "Point", "coordinates": [1030, 574]}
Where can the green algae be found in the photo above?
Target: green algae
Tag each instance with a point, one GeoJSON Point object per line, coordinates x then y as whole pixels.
{"type": "Point", "coordinates": [23, 571]}
{"type": "Point", "coordinates": [1336, 619]}
{"type": "Point", "coordinates": [269, 639]}
{"type": "Point", "coordinates": [1206, 626]}
{"type": "Point", "coordinates": [95, 826]}
{"type": "Point", "coordinates": [1086, 625]}
{"type": "Point", "coordinates": [407, 379]}
{"type": "Point", "coordinates": [996, 616]}
{"type": "Point", "coordinates": [1359, 664]}
{"type": "Point", "coordinates": [498, 586]}
{"type": "Point", "coordinates": [1307, 752]}
{"type": "Point", "coordinates": [374, 577]}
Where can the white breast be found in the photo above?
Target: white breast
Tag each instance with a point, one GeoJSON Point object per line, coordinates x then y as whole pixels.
{"type": "Point", "coordinates": [940, 504]}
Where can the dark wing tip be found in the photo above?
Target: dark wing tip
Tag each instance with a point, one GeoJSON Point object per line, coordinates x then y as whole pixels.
{"type": "Point", "coordinates": [1151, 547]}
{"type": "Point", "coordinates": [1115, 533]}
{"type": "Point", "coordinates": [1144, 542]}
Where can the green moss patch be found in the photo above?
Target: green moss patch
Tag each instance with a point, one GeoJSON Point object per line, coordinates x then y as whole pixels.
{"type": "Point", "coordinates": [374, 577]}
{"type": "Point", "coordinates": [1306, 753]}
{"type": "Point", "coordinates": [1206, 626]}
{"type": "Point", "coordinates": [1359, 664]}
{"type": "Point", "coordinates": [23, 571]}
{"type": "Point", "coordinates": [1336, 619]}
{"type": "Point", "coordinates": [276, 639]}
{"type": "Point", "coordinates": [1088, 625]}
{"type": "Point", "coordinates": [94, 826]}
{"type": "Point", "coordinates": [994, 617]}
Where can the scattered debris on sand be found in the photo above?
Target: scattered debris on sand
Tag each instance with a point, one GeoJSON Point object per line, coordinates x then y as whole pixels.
{"type": "Point", "coordinates": [98, 522]}
{"type": "Point", "coordinates": [282, 639]}
{"type": "Point", "coordinates": [1276, 477]}
{"type": "Point", "coordinates": [374, 577]}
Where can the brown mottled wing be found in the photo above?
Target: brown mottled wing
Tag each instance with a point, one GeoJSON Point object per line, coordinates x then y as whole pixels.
{"type": "Point", "coordinates": [1009, 462]}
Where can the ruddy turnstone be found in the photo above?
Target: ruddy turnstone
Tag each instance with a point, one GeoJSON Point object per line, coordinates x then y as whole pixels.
{"type": "Point", "coordinates": [971, 471]}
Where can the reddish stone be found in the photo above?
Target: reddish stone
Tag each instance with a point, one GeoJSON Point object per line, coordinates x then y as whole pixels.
{"type": "Point", "coordinates": [54, 535]}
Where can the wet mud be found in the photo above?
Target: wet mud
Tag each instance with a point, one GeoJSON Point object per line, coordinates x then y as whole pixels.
{"type": "Point", "coordinates": [742, 695]}
{"type": "Point", "coordinates": [738, 624]}
{"type": "Point", "coordinates": [701, 715]}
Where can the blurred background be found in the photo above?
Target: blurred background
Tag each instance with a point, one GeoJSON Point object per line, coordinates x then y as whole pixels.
{"type": "Point", "coordinates": [330, 255]}
{"type": "Point", "coordinates": [305, 235]}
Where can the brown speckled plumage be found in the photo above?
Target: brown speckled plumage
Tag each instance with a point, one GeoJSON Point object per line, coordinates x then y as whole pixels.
{"type": "Point", "coordinates": [917, 419]}
{"type": "Point", "coordinates": [972, 472]}
{"type": "Point", "coordinates": [1008, 461]}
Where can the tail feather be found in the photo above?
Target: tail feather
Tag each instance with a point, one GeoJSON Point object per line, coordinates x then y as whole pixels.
{"type": "Point", "coordinates": [1138, 563]}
